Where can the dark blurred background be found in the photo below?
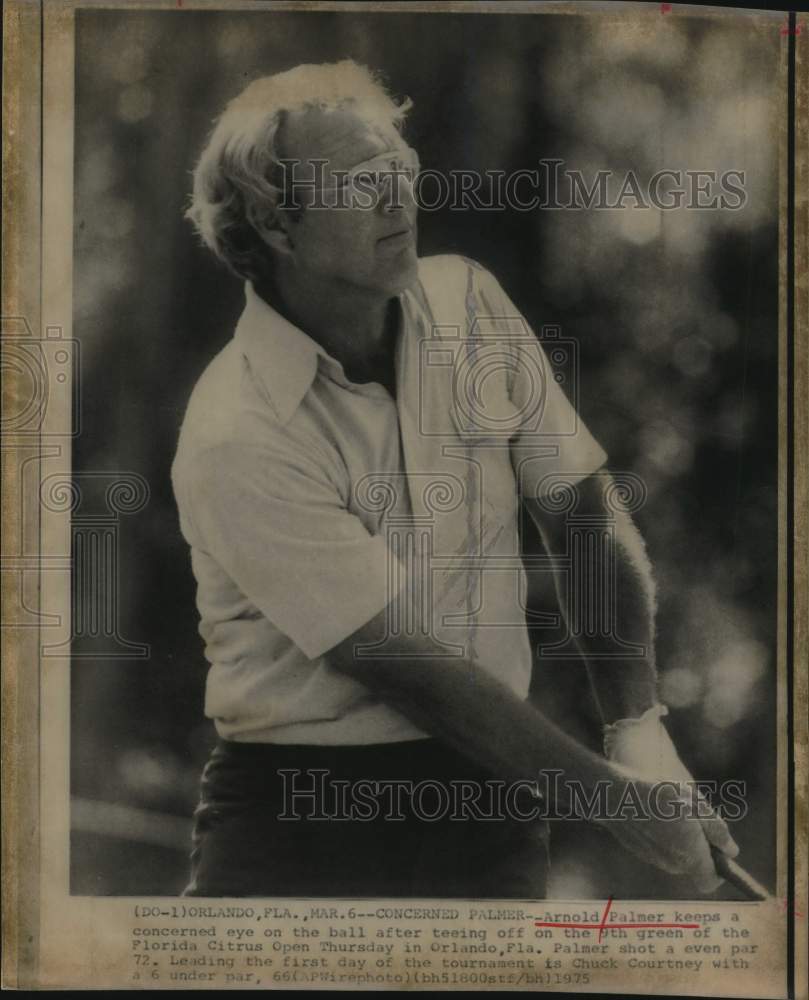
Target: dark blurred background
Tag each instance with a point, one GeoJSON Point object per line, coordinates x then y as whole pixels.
{"type": "Point", "coordinates": [675, 314]}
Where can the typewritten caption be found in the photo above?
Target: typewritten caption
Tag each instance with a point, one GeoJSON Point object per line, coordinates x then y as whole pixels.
{"type": "Point", "coordinates": [546, 945]}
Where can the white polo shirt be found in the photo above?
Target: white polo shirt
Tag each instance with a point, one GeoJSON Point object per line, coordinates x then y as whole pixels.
{"type": "Point", "coordinates": [307, 500]}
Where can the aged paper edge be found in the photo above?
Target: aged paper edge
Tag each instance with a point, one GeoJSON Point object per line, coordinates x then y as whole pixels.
{"type": "Point", "coordinates": [525, 7]}
{"type": "Point", "coordinates": [22, 63]}
{"type": "Point", "coordinates": [800, 674]}
{"type": "Point", "coordinates": [21, 290]}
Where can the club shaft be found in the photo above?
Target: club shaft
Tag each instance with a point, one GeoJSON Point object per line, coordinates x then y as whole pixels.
{"type": "Point", "coordinates": [736, 875]}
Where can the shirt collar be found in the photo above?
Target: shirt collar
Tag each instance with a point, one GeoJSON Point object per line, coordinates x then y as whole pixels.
{"type": "Point", "coordinates": [281, 356]}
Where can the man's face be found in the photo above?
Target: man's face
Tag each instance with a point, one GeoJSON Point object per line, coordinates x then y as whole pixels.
{"type": "Point", "coordinates": [370, 248]}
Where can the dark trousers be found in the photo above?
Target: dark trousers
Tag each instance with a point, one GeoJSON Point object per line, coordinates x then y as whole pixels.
{"type": "Point", "coordinates": [419, 845]}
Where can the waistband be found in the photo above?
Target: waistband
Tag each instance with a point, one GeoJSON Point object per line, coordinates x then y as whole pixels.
{"type": "Point", "coordinates": [422, 759]}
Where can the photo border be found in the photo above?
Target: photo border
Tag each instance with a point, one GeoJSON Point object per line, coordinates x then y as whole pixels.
{"type": "Point", "coordinates": [37, 287]}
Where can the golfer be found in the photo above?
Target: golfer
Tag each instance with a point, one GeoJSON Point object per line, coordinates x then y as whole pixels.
{"type": "Point", "coordinates": [350, 476]}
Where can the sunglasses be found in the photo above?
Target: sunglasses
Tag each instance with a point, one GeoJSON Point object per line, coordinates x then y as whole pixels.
{"type": "Point", "coordinates": [364, 184]}
{"type": "Point", "coordinates": [402, 162]}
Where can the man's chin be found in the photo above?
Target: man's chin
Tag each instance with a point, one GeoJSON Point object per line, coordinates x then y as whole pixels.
{"type": "Point", "coordinates": [406, 274]}
{"type": "Point", "coordinates": [391, 279]}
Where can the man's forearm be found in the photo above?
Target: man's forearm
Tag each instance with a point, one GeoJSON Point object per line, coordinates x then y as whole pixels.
{"type": "Point", "coordinates": [460, 703]}
{"type": "Point", "coordinates": [627, 686]}
{"type": "Point", "coordinates": [624, 686]}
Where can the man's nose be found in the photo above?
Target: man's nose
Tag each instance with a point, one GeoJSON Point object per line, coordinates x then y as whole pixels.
{"type": "Point", "coordinates": [396, 193]}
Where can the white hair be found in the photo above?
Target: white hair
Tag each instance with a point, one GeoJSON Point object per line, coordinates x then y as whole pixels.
{"type": "Point", "coordinates": [232, 182]}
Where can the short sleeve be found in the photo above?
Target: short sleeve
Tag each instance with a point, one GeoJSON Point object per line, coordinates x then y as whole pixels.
{"type": "Point", "coordinates": [278, 526]}
{"type": "Point", "coordinates": [551, 440]}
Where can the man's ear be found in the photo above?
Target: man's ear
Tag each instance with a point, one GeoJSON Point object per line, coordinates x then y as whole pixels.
{"type": "Point", "coordinates": [276, 229]}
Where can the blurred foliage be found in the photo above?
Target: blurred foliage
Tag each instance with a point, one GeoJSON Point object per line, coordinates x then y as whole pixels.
{"type": "Point", "coordinates": [675, 315]}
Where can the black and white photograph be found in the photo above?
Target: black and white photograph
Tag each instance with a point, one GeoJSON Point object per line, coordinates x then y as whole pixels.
{"type": "Point", "coordinates": [445, 351]}
{"type": "Point", "coordinates": [426, 480]}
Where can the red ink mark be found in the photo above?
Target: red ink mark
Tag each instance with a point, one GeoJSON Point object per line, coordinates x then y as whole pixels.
{"type": "Point", "coordinates": [665, 8]}
{"type": "Point", "coordinates": [784, 904]}
{"type": "Point", "coordinates": [602, 925]}
{"type": "Point", "coordinates": [786, 30]}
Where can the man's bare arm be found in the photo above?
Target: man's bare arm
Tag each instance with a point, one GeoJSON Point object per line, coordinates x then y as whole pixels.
{"type": "Point", "coordinates": [627, 686]}
{"type": "Point", "coordinates": [460, 703]}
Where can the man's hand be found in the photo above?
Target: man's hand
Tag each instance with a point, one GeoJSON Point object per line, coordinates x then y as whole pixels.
{"type": "Point", "coordinates": [669, 835]}
{"type": "Point", "coordinates": [644, 747]}
{"type": "Point", "coordinates": [626, 687]}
